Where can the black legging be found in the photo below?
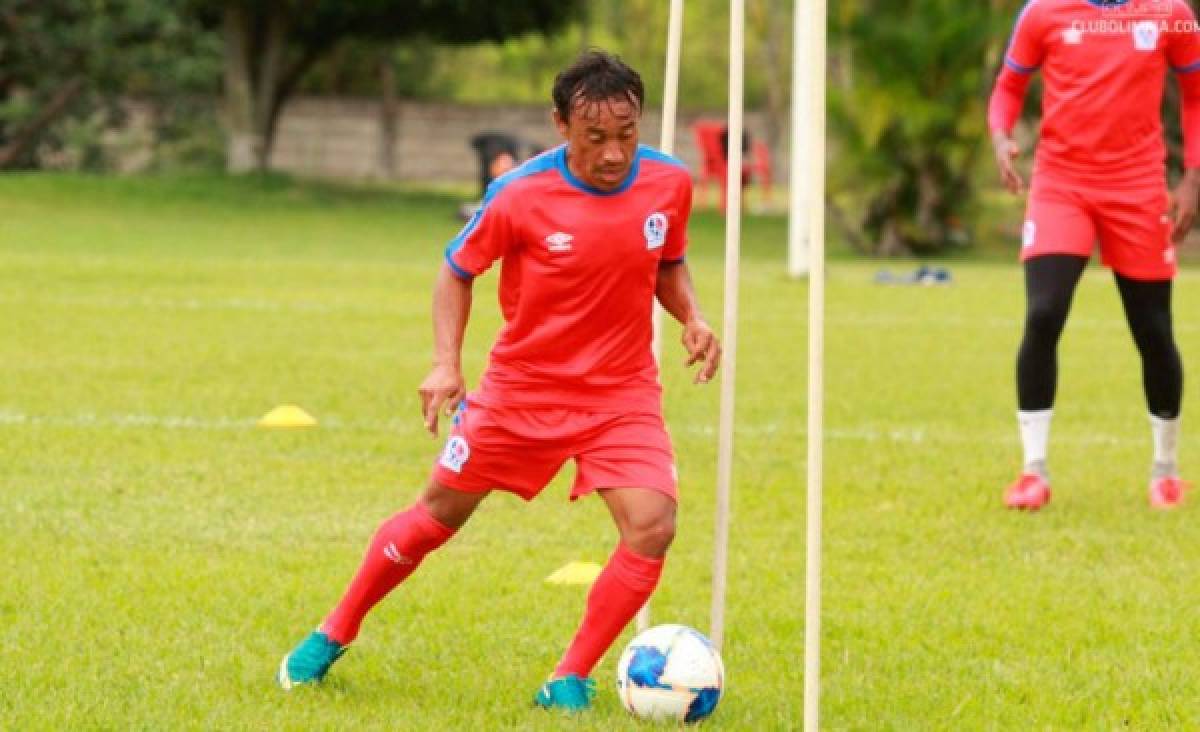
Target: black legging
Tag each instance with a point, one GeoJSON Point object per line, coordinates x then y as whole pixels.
{"type": "Point", "coordinates": [1049, 286]}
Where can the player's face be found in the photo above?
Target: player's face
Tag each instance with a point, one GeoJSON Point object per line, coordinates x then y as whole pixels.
{"type": "Point", "coordinates": [602, 140]}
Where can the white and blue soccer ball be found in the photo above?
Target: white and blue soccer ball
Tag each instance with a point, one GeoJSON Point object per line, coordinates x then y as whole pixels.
{"type": "Point", "coordinates": [670, 672]}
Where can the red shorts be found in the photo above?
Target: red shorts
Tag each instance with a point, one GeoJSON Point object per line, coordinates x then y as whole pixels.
{"type": "Point", "coordinates": [521, 450]}
{"type": "Point", "coordinates": [1131, 224]}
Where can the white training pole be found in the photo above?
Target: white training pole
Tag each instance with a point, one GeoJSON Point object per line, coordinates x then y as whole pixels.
{"type": "Point", "coordinates": [798, 177]}
{"type": "Point", "coordinates": [733, 233]}
{"type": "Point", "coordinates": [816, 353]}
{"type": "Point", "coordinates": [667, 145]}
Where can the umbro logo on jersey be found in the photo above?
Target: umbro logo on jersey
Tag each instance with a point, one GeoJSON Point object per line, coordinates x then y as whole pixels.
{"type": "Point", "coordinates": [559, 241]}
{"type": "Point", "coordinates": [1072, 36]}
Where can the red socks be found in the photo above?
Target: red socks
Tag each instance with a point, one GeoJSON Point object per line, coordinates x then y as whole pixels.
{"type": "Point", "coordinates": [403, 541]}
{"type": "Point", "coordinates": [617, 594]}
{"type": "Point", "coordinates": [397, 548]}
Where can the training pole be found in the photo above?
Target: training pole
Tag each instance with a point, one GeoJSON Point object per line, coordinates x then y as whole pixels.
{"type": "Point", "coordinates": [816, 353]}
{"type": "Point", "coordinates": [733, 233]}
{"type": "Point", "coordinates": [667, 145]}
{"type": "Point", "coordinates": [798, 194]}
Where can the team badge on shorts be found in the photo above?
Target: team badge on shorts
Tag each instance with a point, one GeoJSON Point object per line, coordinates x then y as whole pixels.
{"type": "Point", "coordinates": [1028, 234]}
{"type": "Point", "coordinates": [455, 455]}
{"type": "Point", "coordinates": [655, 230]}
{"type": "Point", "coordinates": [1145, 35]}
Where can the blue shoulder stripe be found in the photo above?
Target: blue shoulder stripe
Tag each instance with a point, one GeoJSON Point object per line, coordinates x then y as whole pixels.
{"type": "Point", "coordinates": [651, 153]}
{"type": "Point", "coordinates": [1186, 69]}
{"type": "Point", "coordinates": [533, 166]}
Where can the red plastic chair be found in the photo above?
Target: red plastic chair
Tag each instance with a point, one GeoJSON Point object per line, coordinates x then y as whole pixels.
{"type": "Point", "coordinates": [756, 165]}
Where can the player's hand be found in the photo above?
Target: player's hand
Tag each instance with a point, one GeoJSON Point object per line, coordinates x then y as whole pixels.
{"type": "Point", "coordinates": [1007, 150]}
{"type": "Point", "coordinates": [443, 388]}
{"type": "Point", "coordinates": [703, 348]}
{"type": "Point", "coordinates": [1184, 201]}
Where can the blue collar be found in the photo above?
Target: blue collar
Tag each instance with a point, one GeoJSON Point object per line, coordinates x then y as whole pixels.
{"type": "Point", "coordinates": [560, 161]}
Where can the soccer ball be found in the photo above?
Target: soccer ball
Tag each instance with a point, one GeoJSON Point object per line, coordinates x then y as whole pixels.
{"type": "Point", "coordinates": [670, 672]}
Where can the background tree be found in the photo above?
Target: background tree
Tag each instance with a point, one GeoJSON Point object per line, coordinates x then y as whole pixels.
{"type": "Point", "coordinates": [908, 123]}
{"type": "Point", "coordinates": [270, 45]}
{"type": "Point", "coordinates": [64, 60]}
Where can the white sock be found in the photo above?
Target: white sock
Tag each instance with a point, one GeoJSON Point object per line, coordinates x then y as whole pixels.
{"type": "Point", "coordinates": [1035, 434]}
{"type": "Point", "coordinates": [1166, 446]}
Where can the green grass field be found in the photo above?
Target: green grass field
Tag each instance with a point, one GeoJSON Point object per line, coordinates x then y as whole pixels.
{"type": "Point", "coordinates": [158, 553]}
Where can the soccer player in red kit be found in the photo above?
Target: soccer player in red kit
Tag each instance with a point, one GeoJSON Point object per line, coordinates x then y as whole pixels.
{"type": "Point", "coordinates": [1099, 177]}
{"type": "Point", "coordinates": [589, 235]}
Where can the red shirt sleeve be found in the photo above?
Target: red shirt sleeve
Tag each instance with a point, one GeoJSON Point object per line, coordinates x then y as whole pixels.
{"type": "Point", "coordinates": [677, 240]}
{"type": "Point", "coordinates": [1183, 53]}
{"type": "Point", "coordinates": [1027, 48]}
{"type": "Point", "coordinates": [485, 238]}
{"type": "Point", "coordinates": [1008, 97]}
{"type": "Point", "coordinates": [1026, 51]}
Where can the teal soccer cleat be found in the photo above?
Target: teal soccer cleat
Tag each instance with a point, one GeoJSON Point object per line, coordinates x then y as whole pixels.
{"type": "Point", "coordinates": [310, 661]}
{"type": "Point", "coordinates": [569, 693]}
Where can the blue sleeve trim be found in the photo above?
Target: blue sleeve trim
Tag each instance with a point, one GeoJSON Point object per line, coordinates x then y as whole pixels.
{"type": "Point", "coordinates": [1026, 70]}
{"type": "Point", "coordinates": [459, 272]}
{"type": "Point", "coordinates": [1190, 68]}
{"type": "Point", "coordinates": [671, 262]}
{"type": "Point", "coordinates": [659, 156]}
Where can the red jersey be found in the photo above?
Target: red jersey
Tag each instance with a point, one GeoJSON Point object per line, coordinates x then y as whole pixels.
{"type": "Point", "coordinates": [1103, 64]}
{"type": "Point", "coordinates": [579, 269]}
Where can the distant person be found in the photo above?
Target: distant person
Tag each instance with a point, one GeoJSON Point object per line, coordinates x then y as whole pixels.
{"type": "Point", "coordinates": [725, 142]}
{"type": "Point", "coordinates": [590, 234]}
{"type": "Point", "coordinates": [490, 147]}
{"type": "Point", "coordinates": [499, 165]}
{"type": "Point", "coordinates": [1099, 177]}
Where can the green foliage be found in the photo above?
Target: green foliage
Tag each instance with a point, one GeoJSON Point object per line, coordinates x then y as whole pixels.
{"type": "Point", "coordinates": [908, 118]}
{"type": "Point", "coordinates": [521, 68]}
{"type": "Point", "coordinates": [65, 66]}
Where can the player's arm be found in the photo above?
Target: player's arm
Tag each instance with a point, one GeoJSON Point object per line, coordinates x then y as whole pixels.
{"type": "Point", "coordinates": [445, 386]}
{"type": "Point", "coordinates": [675, 292]}
{"type": "Point", "coordinates": [1186, 196]}
{"type": "Point", "coordinates": [1021, 60]}
{"type": "Point", "coordinates": [1184, 56]}
{"type": "Point", "coordinates": [484, 239]}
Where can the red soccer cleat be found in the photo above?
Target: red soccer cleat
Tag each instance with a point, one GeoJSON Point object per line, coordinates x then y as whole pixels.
{"type": "Point", "coordinates": [1167, 492]}
{"type": "Point", "coordinates": [1029, 493]}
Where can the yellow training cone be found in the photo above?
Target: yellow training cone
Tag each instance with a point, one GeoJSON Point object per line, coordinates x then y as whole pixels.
{"type": "Point", "coordinates": [574, 573]}
{"type": "Point", "coordinates": [287, 416]}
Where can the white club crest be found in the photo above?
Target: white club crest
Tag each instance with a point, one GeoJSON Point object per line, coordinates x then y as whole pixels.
{"type": "Point", "coordinates": [455, 455]}
{"type": "Point", "coordinates": [1145, 35]}
{"type": "Point", "coordinates": [655, 230]}
{"type": "Point", "coordinates": [1029, 234]}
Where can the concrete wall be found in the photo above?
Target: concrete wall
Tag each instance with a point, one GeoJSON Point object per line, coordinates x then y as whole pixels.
{"type": "Point", "coordinates": [341, 137]}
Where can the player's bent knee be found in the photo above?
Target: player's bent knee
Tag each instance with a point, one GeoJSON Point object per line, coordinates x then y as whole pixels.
{"type": "Point", "coordinates": [650, 536]}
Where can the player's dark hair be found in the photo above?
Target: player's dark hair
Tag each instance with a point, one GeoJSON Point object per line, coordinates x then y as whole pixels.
{"type": "Point", "coordinates": [594, 77]}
